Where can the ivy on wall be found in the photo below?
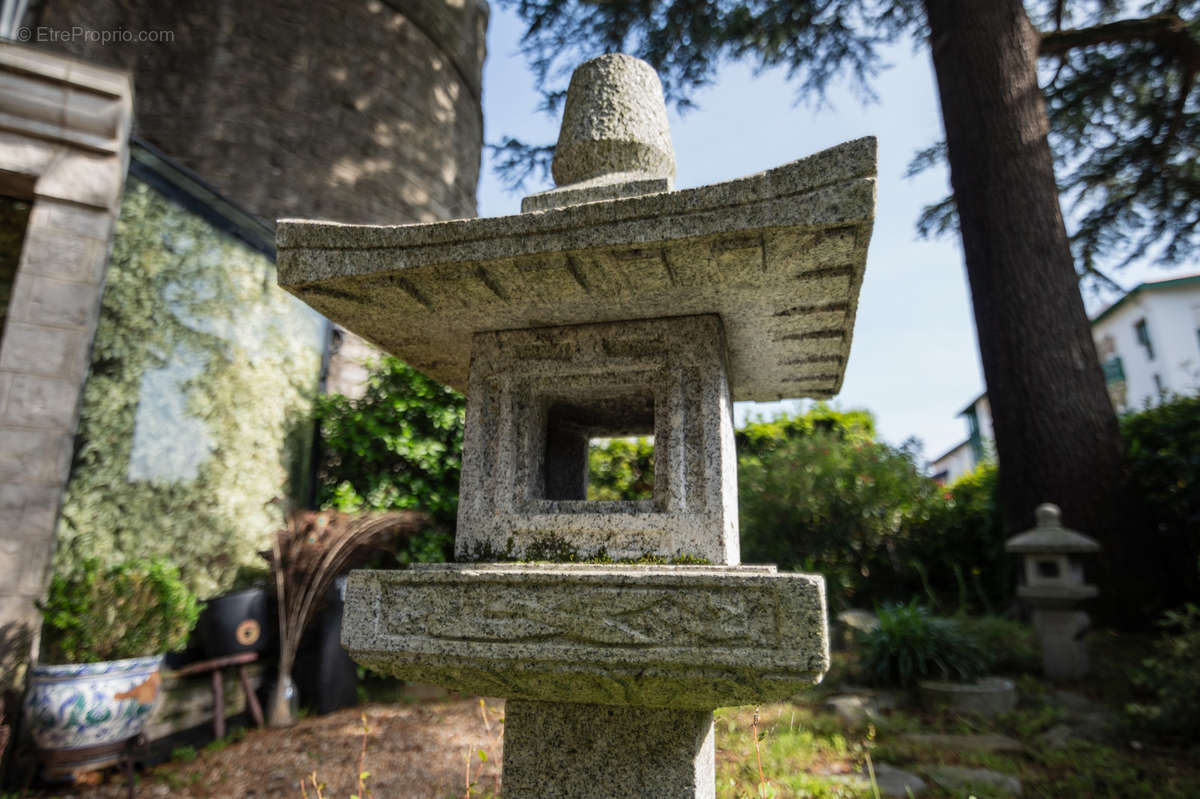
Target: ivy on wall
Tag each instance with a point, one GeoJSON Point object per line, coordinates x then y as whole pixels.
{"type": "Point", "coordinates": [196, 420]}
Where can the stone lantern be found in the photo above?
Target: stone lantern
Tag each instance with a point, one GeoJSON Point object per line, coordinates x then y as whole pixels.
{"type": "Point", "coordinates": [611, 306]}
{"type": "Point", "coordinates": [1052, 584]}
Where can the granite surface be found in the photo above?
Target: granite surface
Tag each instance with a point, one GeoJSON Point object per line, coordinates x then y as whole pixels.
{"type": "Point", "coordinates": [779, 256]}
{"type": "Point", "coordinates": [1062, 639]}
{"type": "Point", "coordinates": [1049, 536]}
{"type": "Point", "coordinates": [578, 751]}
{"type": "Point", "coordinates": [622, 308]}
{"type": "Point", "coordinates": [614, 120]}
{"type": "Point", "coordinates": [536, 398]}
{"type": "Point", "coordinates": [605, 187]}
{"type": "Point", "coordinates": [684, 637]}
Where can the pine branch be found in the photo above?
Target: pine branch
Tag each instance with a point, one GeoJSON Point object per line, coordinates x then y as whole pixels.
{"type": "Point", "coordinates": [1090, 269]}
{"type": "Point", "coordinates": [1178, 108]}
{"type": "Point", "coordinates": [516, 162]}
{"type": "Point", "coordinates": [1169, 31]}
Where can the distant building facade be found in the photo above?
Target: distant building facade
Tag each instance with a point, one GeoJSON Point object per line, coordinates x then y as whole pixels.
{"type": "Point", "coordinates": [978, 446]}
{"type": "Point", "coordinates": [1149, 343]}
{"type": "Point", "coordinates": [1149, 347]}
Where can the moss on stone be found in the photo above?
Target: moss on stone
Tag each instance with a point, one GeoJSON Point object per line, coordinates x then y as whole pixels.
{"type": "Point", "coordinates": [556, 549]}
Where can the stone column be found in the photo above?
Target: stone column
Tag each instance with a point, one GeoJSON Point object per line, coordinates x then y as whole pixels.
{"type": "Point", "coordinates": [578, 751]}
{"type": "Point", "coordinates": [64, 147]}
{"type": "Point", "coordinates": [1060, 633]}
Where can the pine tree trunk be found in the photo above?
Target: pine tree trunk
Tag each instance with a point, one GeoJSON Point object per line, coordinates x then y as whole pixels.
{"type": "Point", "coordinates": [1056, 432]}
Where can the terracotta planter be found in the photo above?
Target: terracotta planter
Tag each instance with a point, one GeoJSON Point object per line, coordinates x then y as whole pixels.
{"type": "Point", "coordinates": [86, 705]}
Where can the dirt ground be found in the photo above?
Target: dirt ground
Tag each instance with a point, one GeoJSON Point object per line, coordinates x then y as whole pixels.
{"type": "Point", "coordinates": [413, 751]}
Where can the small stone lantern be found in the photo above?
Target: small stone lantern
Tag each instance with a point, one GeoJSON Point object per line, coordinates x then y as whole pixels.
{"type": "Point", "coordinates": [1052, 584]}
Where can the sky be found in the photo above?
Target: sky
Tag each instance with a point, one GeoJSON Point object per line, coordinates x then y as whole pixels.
{"type": "Point", "coordinates": [913, 361]}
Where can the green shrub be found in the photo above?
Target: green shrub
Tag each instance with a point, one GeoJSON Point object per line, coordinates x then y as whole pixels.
{"type": "Point", "coordinates": [398, 447]}
{"type": "Point", "coordinates": [954, 549]}
{"type": "Point", "coordinates": [622, 468]}
{"type": "Point", "coordinates": [1007, 645]}
{"type": "Point", "coordinates": [1173, 675]}
{"type": "Point", "coordinates": [183, 754]}
{"type": "Point", "coordinates": [762, 436]}
{"type": "Point", "coordinates": [910, 645]}
{"type": "Point", "coordinates": [826, 498]}
{"type": "Point", "coordinates": [136, 608]}
{"type": "Point", "coordinates": [1162, 476]}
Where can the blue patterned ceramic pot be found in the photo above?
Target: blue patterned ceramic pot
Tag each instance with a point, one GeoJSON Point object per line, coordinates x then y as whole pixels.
{"type": "Point", "coordinates": [89, 704]}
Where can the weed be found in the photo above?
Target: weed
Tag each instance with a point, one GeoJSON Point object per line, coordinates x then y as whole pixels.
{"type": "Point", "coordinates": [483, 755]}
{"type": "Point", "coordinates": [183, 754]}
{"type": "Point", "coordinates": [796, 753]}
{"type": "Point", "coordinates": [362, 792]}
{"type": "Point", "coordinates": [222, 743]}
{"type": "Point", "coordinates": [178, 780]}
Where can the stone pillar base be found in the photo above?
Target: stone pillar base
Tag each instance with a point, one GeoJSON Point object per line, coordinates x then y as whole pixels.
{"type": "Point", "coordinates": [574, 751]}
{"type": "Point", "coordinates": [1064, 652]}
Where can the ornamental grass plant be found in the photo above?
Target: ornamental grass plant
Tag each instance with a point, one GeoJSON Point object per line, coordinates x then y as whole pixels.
{"type": "Point", "coordinates": [910, 645]}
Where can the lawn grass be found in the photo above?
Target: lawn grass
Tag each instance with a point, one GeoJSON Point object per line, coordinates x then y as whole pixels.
{"type": "Point", "coordinates": [807, 753]}
{"type": "Point", "coordinates": [804, 753]}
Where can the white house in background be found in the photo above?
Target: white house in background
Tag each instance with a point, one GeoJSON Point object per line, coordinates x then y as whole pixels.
{"type": "Point", "coordinates": [1149, 343]}
{"type": "Point", "coordinates": [966, 455]}
{"type": "Point", "coordinates": [1149, 347]}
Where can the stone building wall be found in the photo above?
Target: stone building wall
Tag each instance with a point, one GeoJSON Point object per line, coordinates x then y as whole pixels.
{"type": "Point", "coordinates": [63, 151]}
{"type": "Point", "coordinates": [355, 110]}
{"type": "Point", "coordinates": [350, 357]}
{"type": "Point", "coordinates": [359, 110]}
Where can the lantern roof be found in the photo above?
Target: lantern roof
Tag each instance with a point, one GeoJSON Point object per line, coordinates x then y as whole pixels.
{"type": "Point", "coordinates": [1049, 536]}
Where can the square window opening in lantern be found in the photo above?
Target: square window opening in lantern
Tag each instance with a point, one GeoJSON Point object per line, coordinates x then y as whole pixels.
{"type": "Point", "coordinates": [620, 469]}
{"type": "Point", "coordinates": [599, 448]}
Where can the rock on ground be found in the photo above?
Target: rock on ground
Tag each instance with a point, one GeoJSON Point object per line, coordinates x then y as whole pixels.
{"type": "Point", "coordinates": [897, 782]}
{"type": "Point", "coordinates": [857, 708]}
{"type": "Point", "coordinates": [965, 743]}
{"type": "Point", "coordinates": [892, 782]}
{"type": "Point", "coordinates": [954, 777]}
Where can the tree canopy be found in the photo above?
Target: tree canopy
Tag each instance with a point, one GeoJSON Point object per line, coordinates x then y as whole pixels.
{"type": "Point", "coordinates": [397, 447]}
{"type": "Point", "coordinates": [1110, 85]}
{"type": "Point", "coordinates": [1119, 80]}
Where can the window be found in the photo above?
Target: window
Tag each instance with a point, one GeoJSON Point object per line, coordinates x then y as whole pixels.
{"type": "Point", "coordinates": [1114, 370]}
{"type": "Point", "coordinates": [974, 434]}
{"type": "Point", "coordinates": [1114, 381]}
{"type": "Point", "coordinates": [1143, 338]}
